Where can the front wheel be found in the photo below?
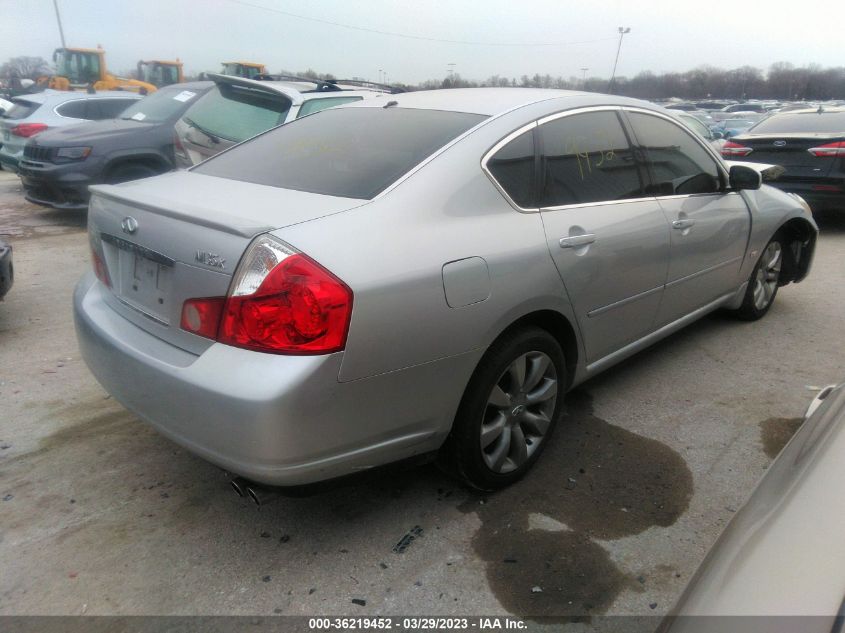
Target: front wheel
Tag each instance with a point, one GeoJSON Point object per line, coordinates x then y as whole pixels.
{"type": "Point", "coordinates": [764, 282]}
{"type": "Point", "coordinates": [508, 411]}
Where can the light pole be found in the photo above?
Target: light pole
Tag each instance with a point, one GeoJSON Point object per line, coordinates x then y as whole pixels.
{"type": "Point", "coordinates": [622, 31]}
{"type": "Point", "coordinates": [380, 71]}
{"type": "Point", "coordinates": [59, 20]}
{"type": "Point", "coordinates": [584, 76]}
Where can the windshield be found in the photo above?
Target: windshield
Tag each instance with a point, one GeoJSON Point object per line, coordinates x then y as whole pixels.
{"type": "Point", "coordinates": [811, 122]}
{"type": "Point", "coordinates": [237, 113]}
{"type": "Point", "coordinates": [161, 106]}
{"type": "Point", "coordinates": [347, 152]}
{"type": "Point", "coordinates": [159, 74]}
{"type": "Point", "coordinates": [79, 68]}
{"type": "Point", "coordinates": [239, 70]}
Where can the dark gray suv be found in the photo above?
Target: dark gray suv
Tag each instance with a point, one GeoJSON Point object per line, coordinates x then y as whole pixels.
{"type": "Point", "coordinates": [58, 165]}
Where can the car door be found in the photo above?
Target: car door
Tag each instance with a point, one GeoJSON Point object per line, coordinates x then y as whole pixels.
{"type": "Point", "coordinates": [609, 239]}
{"type": "Point", "coordinates": [710, 224]}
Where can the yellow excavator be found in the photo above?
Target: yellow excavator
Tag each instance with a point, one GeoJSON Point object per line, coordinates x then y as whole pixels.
{"type": "Point", "coordinates": [81, 68]}
{"type": "Point", "coordinates": [160, 73]}
{"type": "Point", "coordinates": [247, 70]}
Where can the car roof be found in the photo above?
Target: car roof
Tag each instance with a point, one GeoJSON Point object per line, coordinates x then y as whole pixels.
{"type": "Point", "coordinates": [188, 85]}
{"type": "Point", "coordinates": [810, 110]}
{"type": "Point", "coordinates": [486, 101]}
{"type": "Point", "coordinates": [57, 96]}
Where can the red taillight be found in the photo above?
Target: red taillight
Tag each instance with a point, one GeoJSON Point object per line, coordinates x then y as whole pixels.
{"type": "Point", "coordinates": [202, 316]}
{"type": "Point", "coordinates": [27, 129]}
{"type": "Point", "coordinates": [831, 149]}
{"type": "Point", "coordinates": [281, 302]}
{"type": "Point", "coordinates": [735, 149]}
{"type": "Point", "coordinates": [100, 268]}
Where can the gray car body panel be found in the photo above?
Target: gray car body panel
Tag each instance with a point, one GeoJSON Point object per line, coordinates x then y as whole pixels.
{"type": "Point", "coordinates": [783, 553]}
{"type": "Point", "coordinates": [410, 352]}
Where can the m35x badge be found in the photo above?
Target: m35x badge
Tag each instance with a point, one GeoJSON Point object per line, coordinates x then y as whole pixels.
{"type": "Point", "coordinates": [210, 259]}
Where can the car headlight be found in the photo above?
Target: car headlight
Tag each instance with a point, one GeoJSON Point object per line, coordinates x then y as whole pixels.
{"type": "Point", "coordinates": [73, 153]}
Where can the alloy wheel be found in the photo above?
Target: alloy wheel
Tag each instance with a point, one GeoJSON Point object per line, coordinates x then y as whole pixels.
{"type": "Point", "coordinates": [519, 412]}
{"type": "Point", "coordinates": [768, 274]}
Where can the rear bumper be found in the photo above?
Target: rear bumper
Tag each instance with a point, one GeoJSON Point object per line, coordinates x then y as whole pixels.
{"type": "Point", "coordinates": [57, 186]}
{"type": "Point", "coordinates": [278, 420]}
{"type": "Point", "coordinates": [7, 271]}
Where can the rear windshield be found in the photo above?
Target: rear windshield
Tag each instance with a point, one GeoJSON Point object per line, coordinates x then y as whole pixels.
{"type": "Point", "coordinates": [824, 123]}
{"type": "Point", "coordinates": [21, 109]}
{"type": "Point", "coordinates": [347, 152]}
{"type": "Point", "coordinates": [237, 113]}
{"type": "Point", "coordinates": [162, 105]}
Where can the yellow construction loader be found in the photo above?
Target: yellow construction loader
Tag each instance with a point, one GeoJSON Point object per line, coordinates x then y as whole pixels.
{"type": "Point", "coordinates": [82, 68]}
{"type": "Point", "coordinates": [160, 73]}
{"type": "Point", "coordinates": [247, 70]}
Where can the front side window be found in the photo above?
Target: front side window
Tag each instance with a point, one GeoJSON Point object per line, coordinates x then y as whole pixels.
{"type": "Point", "coordinates": [586, 158]}
{"type": "Point", "coordinates": [236, 113]}
{"type": "Point", "coordinates": [678, 163]}
{"type": "Point", "coordinates": [513, 168]}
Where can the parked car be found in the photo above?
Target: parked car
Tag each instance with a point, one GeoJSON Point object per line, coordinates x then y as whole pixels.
{"type": "Point", "coordinates": [58, 165]}
{"type": "Point", "coordinates": [237, 109]}
{"type": "Point", "coordinates": [732, 127]}
{"type": "Point", "coordinates": [499, 247]}
{"type": "Point", "coordinates": [716, 139]}
{"type": "Point", "coordinates": [782, 554]}
{"type": "Point", "coordinates": [683, 107]}
{"type": "Point", "coordinates": [34, 113]}
{"type": "Point", "coordinates": [810, 146]}
{"type": "Point", "coordinates": [734, 108]}
{"type": "Point", "coordinates": [7, 271]}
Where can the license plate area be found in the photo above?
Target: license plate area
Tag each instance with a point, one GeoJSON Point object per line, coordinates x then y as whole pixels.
{"type": "Point", "coordinates": [143, 278]}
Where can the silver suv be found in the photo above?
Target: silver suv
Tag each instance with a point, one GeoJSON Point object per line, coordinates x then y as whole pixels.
{"type": "Point", "coordinates": [34, 113]}
{"type": "Point", "coordinates": [237, 109]}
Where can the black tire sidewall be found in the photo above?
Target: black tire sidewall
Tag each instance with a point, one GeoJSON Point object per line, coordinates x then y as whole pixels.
{"type": "Point", "coordinates": [749, 311]}
{"type": "Point", "coordinates": [464, 439]}
{"type": "Point", "coordinates": [128, 172]}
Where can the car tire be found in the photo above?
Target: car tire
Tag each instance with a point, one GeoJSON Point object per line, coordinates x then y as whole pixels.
{"type": "Point", "coordinates": [764, 282]}
{"type": "Point", "coordinates": [508, 411]}
{"type": "Point", "coordinates": [130, 171]}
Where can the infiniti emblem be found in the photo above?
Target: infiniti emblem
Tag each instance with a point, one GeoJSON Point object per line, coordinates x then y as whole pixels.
{"type": "Point", "coordinates": [129, 225]}
{"type": "Point", "coordinates": [517, 410]}
{"type": "Point", "coordinates": [779, 143]}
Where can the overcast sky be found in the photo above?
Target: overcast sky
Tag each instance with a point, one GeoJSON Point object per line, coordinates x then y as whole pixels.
{"type": "Point", "coordinates": [487, 36]}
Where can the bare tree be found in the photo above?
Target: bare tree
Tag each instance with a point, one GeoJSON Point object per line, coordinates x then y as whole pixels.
{"type": "Point", "coordinates": [25, 67]}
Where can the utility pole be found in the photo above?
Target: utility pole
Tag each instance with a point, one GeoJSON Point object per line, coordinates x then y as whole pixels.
{"type": "Point", "coordinates": [59, 20]}
{"type": "Point", "coordinates": [622, 31]}
{"type": "Point", "coordinates": [584, 76]}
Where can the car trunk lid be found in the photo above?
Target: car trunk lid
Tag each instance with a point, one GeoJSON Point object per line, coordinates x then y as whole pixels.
{"type": "Point", "coordinates": [790, 152]}
{"type": "Point", "coordinates": [179, 236]}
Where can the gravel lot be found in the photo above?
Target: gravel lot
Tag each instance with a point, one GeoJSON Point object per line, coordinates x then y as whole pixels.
{"type": "Point", "coordinates": [100, 515]}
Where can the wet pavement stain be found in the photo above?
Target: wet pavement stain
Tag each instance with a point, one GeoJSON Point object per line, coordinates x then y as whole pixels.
{"type": "Point", "coordinates": [595, 481]}
{"type": "Point", "coordinates": [776, 432]}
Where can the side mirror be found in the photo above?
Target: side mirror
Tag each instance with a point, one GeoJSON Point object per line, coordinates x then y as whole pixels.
{"type": "Point", "coordinates": [717, 134]}
{"type": "Point", "coordinates": [742, 177]}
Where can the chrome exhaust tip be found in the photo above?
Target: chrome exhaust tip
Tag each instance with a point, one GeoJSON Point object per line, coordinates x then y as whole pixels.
{"type": "Point", "coordinates": [239, 485]}
{"type": "Point", "coordinates": [260, 495]}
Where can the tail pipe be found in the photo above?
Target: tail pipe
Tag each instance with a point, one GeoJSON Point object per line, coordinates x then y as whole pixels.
{"type": "Point", "coordinates": [258, 494]}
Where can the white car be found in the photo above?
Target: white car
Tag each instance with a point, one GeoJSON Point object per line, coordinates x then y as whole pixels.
{"type": "Point", "coordinates": [237, 109]}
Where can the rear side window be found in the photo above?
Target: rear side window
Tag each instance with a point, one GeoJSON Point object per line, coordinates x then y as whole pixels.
{"type": "Point", "coordinates": [513, 168]}
{"type": "Point", "coordinates": [679, 165]}
{"type": "Point", "coordinates": [108, 108]}
{"type": "Point", "coordinates": [315, 105]}
{"type": "Point", "coordinates": [21, 109]}
{"type": "Point", "coordinates": [826, 122]}
{"type": "Point", "coordinates": [587, 158]}
{"type": "Point", "coordinates": [236, 113]}
{"type": "Point", "coordinates": [348, 152]}
{"type": "Point", "coordinates": [77, 109]}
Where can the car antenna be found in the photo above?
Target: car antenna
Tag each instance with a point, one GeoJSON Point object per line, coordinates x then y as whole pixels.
{"type": "Point", "coordinates": [390, 104]}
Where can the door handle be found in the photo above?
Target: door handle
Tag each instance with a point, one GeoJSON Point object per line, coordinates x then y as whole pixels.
{"type": "Point", "coordinates": [577, 241]}
{"type": "Point", "coordinates": [683, 224]}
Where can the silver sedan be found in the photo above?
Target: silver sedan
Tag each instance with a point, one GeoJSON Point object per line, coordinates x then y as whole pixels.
{"type": "Point", "coordinates": [416, 273]}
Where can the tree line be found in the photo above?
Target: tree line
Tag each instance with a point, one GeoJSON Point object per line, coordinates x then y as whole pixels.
{"type": "Point", "coordinates": [782, 81]}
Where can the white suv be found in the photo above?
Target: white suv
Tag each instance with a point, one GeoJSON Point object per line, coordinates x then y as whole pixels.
{"type": "Point", "coordinates": [237, 109]}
